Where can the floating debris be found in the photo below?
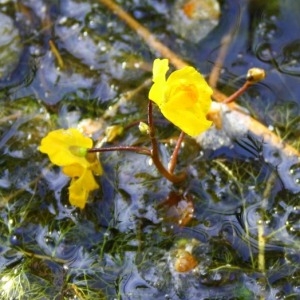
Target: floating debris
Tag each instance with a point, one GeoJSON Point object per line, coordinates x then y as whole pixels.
{"type": "Point", "coordinates": [178, 208]}
{"type": "Point", "coordinates": [184, 261]}
{"type": "Point", "coordinates": [194, 19]}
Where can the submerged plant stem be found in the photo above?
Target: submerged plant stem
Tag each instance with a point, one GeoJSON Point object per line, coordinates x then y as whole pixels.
{"type": "Point", "coordinates": [43, 257]}
{"type": "Point", "coordinates": [56, 54]}
{"type": "Point", "coordinates": [261, 247]}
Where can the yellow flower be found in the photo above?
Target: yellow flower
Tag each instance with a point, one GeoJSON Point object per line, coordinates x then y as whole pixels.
{"type": "Point", "coordinates": [68, 149]}
{"type": "Point", "coordinates": [184, 98]}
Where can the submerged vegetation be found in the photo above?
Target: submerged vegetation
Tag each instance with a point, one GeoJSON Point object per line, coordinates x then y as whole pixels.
{"type": "Point", "coordinates": [209, 213]}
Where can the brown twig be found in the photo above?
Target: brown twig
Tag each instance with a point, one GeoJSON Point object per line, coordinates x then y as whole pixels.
{"type": "Point", "coordinates": [217, 67]}
{"type": "Point", "coordinates": [143, 32]}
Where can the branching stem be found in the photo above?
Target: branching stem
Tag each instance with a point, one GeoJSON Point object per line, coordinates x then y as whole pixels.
{"type": "Point", "coordinates": [155, 153]}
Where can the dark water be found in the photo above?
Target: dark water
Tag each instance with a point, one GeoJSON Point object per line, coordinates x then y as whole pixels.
{"type": "Point", "coordinates": [245, 229]}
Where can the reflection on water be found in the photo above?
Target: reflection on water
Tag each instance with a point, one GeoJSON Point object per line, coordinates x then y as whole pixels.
{"type": "Point", "coordinates": [235, 222]}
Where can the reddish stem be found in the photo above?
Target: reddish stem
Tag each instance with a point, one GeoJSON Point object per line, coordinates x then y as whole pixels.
{"type": "Point", "coordinates": [239, 92]}
{"type": "Point", "coordinates": [140, 150]}
{"type": "Point", "coordinates": [173, 160]}
{"type": "Point", "coordinates": [155, 154]}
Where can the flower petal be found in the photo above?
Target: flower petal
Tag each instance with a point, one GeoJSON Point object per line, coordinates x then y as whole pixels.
{"type": "Point", "coordinates": [59, 145]}
{"type": "Point", "coordinates": [160, 68]}
{"type": "Point", "coordinates": [77, 194]}
{"type": "Point", "coordinates": [184, 98]}
{"type": "Point", "coordinates": [187, 120]}
{"type": "Point", "coordinates": [157, 93]}
{"type": "Point", "coordinates": [74, 170]}
{"type": "Point", "coordinates": [80, 188]}
{"type": "Point", "coordinates": [88, 181]}
{"type": "Point", "coordinates": [95, 165]}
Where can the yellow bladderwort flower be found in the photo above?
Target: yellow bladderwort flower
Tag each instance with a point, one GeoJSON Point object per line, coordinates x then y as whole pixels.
{"type": "Point", "coordinates": [68, 148]}
{"type": "Point", "coordinates": [184, 98]}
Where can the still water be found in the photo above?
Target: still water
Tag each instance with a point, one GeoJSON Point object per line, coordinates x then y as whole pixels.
{"type": "Point", "coordinates": [230, 231]}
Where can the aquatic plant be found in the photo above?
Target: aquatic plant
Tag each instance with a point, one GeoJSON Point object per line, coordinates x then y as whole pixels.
{"type": "Point", "coordinates": [184, 99]}
{"type": "Point", "coordinates": [228, 196]}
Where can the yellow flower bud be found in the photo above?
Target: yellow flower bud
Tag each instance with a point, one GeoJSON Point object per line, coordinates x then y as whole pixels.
{"type": "Point", "coordinates": [144, 128]}
{"type": "Point", "coordinates": [255, 75]}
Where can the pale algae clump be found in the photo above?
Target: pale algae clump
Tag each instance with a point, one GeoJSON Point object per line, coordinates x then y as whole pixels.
{"type": "Point", "coordinates": [194, 19]}
{"type": "Point", "coordinates": [233, 127]}
{"type": "Point", "coordinates": [10, 46]}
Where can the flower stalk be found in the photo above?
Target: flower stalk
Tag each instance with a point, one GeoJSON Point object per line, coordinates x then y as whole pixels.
{"type": "Point", "coordinates": [173, 160]}
{"type": "Point", "coordinates": [140, 150]}
{"type": "Point", "coordinates": [254, 75]}
{"type": "Point", "coordinates": [155, 153]}
{"type": "Point", "coordinates": [238, 93]}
